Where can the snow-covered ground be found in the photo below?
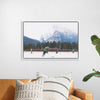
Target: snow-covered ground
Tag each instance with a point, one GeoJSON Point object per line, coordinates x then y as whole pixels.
{"type": "Point", "coordinates": [51, 55]}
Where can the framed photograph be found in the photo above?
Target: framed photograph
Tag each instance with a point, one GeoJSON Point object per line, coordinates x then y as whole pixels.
{"type": "Point", "coordinates": [50, 39]}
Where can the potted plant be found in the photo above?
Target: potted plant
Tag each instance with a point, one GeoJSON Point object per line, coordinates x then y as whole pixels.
{"type": "Point", "coordinates": [95, 41]}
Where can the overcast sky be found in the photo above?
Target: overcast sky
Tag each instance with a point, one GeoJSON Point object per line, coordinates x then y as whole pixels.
{"type": "Point", "coordinates": [36, 30]}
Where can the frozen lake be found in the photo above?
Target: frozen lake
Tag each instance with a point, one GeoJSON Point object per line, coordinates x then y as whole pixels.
{"type": "Point", "coordinates": [51, 55]}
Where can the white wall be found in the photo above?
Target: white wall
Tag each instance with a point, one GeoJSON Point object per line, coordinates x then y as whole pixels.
{"type": "Point", "coordinates": [13, 12]}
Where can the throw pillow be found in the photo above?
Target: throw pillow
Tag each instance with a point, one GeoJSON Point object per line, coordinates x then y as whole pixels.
{"type": "Point", "coordinates": [29, 91]}
{"type": "Point", "coordinates": [55, 88]}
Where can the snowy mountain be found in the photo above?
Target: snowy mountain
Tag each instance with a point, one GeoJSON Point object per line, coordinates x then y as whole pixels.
{"type": "Point", "coordinates": [28, 40]}
{"type": "Point", "coordinates": [60, 36]}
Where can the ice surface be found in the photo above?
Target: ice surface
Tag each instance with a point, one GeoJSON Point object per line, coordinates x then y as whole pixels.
{"type": "Point", "coordinates": [51, 55]}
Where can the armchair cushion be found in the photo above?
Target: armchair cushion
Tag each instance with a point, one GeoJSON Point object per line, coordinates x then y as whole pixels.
{"type": "Point", "coordinates": [56, 88]}
{"type": "Point", "coordinates": [29, 91]}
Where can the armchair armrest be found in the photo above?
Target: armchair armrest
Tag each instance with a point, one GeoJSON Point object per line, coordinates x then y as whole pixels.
{"type": "Point", "coordinates": [84, 95]}
{"type": "Point", "coordinates": [71, 97]}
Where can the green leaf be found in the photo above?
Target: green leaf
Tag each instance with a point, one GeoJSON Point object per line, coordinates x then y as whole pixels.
{"type": "Point", "coordinates": [98, 48]}
{"type": "Point", "coordinates": [94, 37]}
{"type": "Point", "coordinates": [96, 71]}
{"type": "Point", "coordinates": [87, 77]}
{"type": "Point", "coordinates": [96, 42]}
